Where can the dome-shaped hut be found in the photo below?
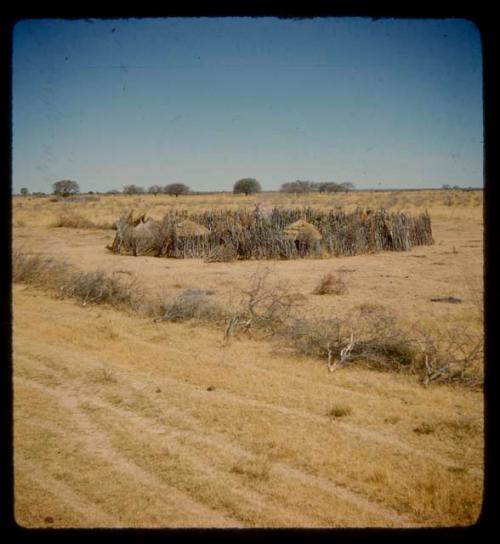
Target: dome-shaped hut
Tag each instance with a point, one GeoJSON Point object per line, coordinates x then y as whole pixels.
{"type": "Point", "coordinates": [190, 228]}
{"type": "Point", "coordinates": [302, 231]}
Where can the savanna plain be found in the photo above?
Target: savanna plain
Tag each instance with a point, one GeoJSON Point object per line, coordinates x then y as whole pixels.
{"type": "Point", "coordinates": [125, 419]}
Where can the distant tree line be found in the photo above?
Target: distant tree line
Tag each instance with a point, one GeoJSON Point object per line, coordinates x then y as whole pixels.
{"type": "Point", "coordinates": [242, 186]}
{"type": "Point", "coordinates": [170, 189]}
{"type": "Point", "coordinates": [447, 187]}
{"type": "Point", "coordinates": [299, 186]}
{"type": "Point", "coordinates": [245, 186]}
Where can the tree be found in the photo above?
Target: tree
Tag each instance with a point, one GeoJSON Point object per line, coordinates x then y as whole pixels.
{"type": "Point", "coordinates": [329, 187]}
{"type": "Point", "coordinates": [247, 186]}
{"type": "Point", "coordinates": [24, 191]}
{"type": "Point", "coordinates": [347, 186]}
{"type": "Point", "coordinates": [176, 189]}
{"type": "Point", "coordinates": [133, 190]}
{"type": "Point", "coordinates": [65, 187]}
{"type": "Point", "coordinates": [446, 187]}
{"type": "Point", "coordinates": [154, 189]}
{"type": "Point", "coordinates": [298, 186]}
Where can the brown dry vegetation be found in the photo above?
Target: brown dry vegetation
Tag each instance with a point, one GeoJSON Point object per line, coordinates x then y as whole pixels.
{"type": "Point", "coordinates": [122, 420]}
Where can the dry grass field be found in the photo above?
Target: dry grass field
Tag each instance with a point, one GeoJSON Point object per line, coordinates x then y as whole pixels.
{"type": "Point", "coordinates": [122, 419]}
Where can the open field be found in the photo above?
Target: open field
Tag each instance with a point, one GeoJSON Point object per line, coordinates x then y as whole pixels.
{"type": "Point", "coordinates": [121, 420]}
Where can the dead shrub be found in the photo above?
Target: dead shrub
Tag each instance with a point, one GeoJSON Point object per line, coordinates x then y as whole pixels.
{"type": "Point", "coordinates": [453, 356]}
{"type": "Point", "coordinates": [98, 288]}
{"type": "Point", "coordinates": [194, 304]}
{"type": "Point", "coordinates": [315, 338]}
{"type": "Point", "coordinates": [72, 221]}
{"type": "Point", "coordinates": [87, 287]}
{"type": "Point", "coordinates": [269, 305]}
{"type": "Point", "coordinates": [371, 339]}
{"type": "Point", "coordinates": [78, 221]}
{"type": "Point", "coordinates": [37, 269]}
{"type": "Point", "coordinates": [265, 307]}
{"type": "Point", "coordinates": [331, 284]}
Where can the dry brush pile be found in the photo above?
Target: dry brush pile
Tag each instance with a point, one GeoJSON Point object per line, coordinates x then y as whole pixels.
{"type": "Point", "coordinates": [96, 287]}
{"type": "Point", "coordinates": [369, 336]}
{"type": "Point", "coordinates": [279, 234]}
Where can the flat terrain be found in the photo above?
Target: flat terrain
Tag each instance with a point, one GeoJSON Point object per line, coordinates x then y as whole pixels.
{"type": "Point", "coordinates": [121, 421]}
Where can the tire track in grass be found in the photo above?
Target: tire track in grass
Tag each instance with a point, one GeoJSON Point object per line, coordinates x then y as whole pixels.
{"type": "Point", "coordinates": [97, 443]}
{"type": "Point", "coordinates": [94, 516]}
{"type": "Point", "coordinates": [218, 441]}
{"type": "Point", "coordinates": [182, 388]}
{"type": "Point", "coordinates": [364, 434]}
{"type": "Point", "coordinates": [356, 430]}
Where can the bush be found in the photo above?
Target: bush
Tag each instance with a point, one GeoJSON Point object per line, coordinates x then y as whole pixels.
{"type": "Point", "coordinates": [194, 304]}
{"type": "Point", "coordinates": [268, 306]}
{"type": "Point", "coordinates": [37, 269]}
{"type": "Point", "coordinates": [98, 288]}
{"type": "Point", "coordinates": [455, 356]}
{"type": "Point", "coordinates": [373, 339]}
{"type": "Point", "coordinates": [72, 221]}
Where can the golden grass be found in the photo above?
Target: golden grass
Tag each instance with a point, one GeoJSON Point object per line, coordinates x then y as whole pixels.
{"type": "Point", "coordinates": [187, 430]}
{"type": "Point", "coordinates": [43, 211]}
{"type": "Point", "coordinates": [267, 446]}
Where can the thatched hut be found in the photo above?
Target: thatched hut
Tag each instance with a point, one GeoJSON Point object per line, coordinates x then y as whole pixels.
{"type": "Point", "coordinates": [190, 228]}
{"type": "Point", "coordinates": [302, 231]}
{"type": "Point", "coordinates": [278, 234]}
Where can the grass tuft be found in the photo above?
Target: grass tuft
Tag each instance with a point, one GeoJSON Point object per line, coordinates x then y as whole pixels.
{"type": "Point", "coordinates": [339, 410]}
{"type": "Point", "coordinates": [331, 284]}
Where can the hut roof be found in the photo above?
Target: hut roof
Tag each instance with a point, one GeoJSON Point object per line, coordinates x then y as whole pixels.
{"type": "Point", "coordinates": [146, 225]}
{"type": "Point", "coordinates": [302, 229]}
{"type": "Point", "coordinates": [190, 228]}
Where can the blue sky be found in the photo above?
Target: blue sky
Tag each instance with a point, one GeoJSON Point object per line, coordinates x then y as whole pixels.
{"type": "Point", "coordinates": [207, 101]}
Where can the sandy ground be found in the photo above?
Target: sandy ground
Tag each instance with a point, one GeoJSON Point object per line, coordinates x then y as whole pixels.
{"type": "Point", "coordinates": [124, 422]}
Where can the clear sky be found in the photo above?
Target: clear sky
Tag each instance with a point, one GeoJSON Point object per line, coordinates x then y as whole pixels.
{"type": "Point", "coordinates": [207, 101]}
